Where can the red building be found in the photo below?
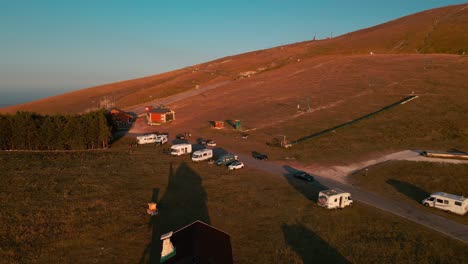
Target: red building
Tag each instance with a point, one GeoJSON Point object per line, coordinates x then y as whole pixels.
{"type": "Point", "coordinates": [160, 115]}
{"type": "Point", "coordinates": [219, 124]}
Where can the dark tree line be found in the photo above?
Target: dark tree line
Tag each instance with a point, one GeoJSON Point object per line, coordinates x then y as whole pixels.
{"type": "Point", "coordinates": [31, 131]}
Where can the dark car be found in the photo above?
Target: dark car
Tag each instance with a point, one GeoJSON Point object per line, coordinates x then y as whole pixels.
{"type": "Point", "coordinates": [229, 163]}
{"type": "Point", "coordinates": [303, 175]}
{"type": "Point", "coordinates": [259, 156]}
{"type": "Point", "coordinates": [201, 141]}
{"type": "Point", "coordinates": [211, 143]}
{"type": "Point", "coordinates": [180, 136]}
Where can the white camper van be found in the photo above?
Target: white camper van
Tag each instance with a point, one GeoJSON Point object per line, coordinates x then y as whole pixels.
{"type": "Point", "coordinates": [146, 139]}
{"type": "Point", "coordinates": [181, 149]}
{"type": "Point", "coordinates": [447, 202]}
{"type": "Point", "coordinates": [151, 138]}
{"type": "Point", "coordinates": [334, 198]}
{"type": "Point", "coordinates": [204, 154]}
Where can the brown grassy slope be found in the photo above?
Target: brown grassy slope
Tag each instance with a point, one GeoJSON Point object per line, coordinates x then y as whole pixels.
{"type": "Point", "coordinates": [90, 208]}
{"type": "Point", "coordinates": [441, 30]}
{"type": "Point", "coordinates": [341, 89]}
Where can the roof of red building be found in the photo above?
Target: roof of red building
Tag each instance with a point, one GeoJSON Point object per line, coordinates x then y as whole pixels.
{"type": "Point", "coordinates": [160, 110]}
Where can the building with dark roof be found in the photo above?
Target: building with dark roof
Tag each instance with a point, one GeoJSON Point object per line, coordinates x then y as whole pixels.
{"type": "Point", "coordinates": [159, 115]}
{"type": "Point", "coordinates": [197, 243]}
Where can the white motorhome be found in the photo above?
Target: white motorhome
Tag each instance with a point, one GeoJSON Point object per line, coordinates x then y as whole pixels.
{"type": "Point", "coordinates": [151, 138]}
{"type": "Point", "coordinates": [204, 154]}
{"type": "Point", "coordinates": [146, 139]}
{"type": "Point", "coordinates": [334, 198]}
{"type": "Point", "coordinates": [181, 149]}
{"type": "Point", "coordinates": [447, 202]}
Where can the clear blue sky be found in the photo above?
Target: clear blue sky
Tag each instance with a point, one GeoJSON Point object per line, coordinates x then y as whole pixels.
{"type": "Point", "coordinates": [49, 47]}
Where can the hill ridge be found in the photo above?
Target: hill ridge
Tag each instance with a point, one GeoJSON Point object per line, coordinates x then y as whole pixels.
{"type": "Point", "coordinates": [439, 30]}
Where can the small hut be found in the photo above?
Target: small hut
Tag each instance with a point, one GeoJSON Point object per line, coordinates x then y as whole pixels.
{"type": "Point", "coordinates": [218, 124]}
{"type": "Point", "coordinates": [159, 115]}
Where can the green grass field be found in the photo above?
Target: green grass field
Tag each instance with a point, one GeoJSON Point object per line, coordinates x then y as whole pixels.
{"type": "Point", "coordinates": [89, 207]}
{"type": "Point", "coordinates": [411, 182]}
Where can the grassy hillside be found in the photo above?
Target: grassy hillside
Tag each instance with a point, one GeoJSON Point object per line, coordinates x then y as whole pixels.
{"type": "Point", "coordinates": [90, 207]}
{"type": "Point", "coordinates": [411, 182]}
{"type": "Point", "coordinates": [340, 90]}
{"type": "Point", "coordinates": [439, 30]}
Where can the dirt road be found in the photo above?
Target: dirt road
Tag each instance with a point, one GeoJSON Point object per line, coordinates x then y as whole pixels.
{"type": "Point", "coordinates": [340, 173]}
{"type": "Point", "coordinates": [336, 179]}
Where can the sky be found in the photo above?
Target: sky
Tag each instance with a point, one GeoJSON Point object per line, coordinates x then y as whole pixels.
{"type": "Point", "coordinates": [51, 47]}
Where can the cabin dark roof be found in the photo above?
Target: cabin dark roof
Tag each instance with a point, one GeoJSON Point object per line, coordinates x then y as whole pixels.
{"type": "Point", "coordinates": [117, 111]}
{"type": "Point", "coordinates": [201, 243]}
{"type": "Point", "coordinates": [160, 110]}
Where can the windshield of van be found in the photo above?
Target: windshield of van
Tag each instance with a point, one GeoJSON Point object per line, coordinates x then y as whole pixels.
{"type": "Point", "coordinates": [322, 199]}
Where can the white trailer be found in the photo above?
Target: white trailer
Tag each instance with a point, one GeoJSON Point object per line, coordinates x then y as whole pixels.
{"type": "Point", "coordinates": [447, 202]}
{"type": "Point", "coordinates": [204, 154]}
{"type": "Point", "coordinates": [334, 198]}
{"type": "Point", "coordinates": [146, 139]}
{"type": "Point", "coordinates": [181, 149]}
{"type": "Point", "coordinates": [151, 138]}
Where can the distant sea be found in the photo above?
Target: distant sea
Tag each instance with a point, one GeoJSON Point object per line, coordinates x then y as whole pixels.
{"type": "Point", "coordinates": [9, 97]}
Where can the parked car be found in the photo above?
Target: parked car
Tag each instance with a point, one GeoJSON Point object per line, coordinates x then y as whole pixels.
{"type": "Point", "coordinates": [303, 175]}
{"type": "Point", "coordinates": [236, 165]}
{"type": "Point", "coordinates": [201, 141]}
{"type": "Point", "coordinates": [226, 159]}
{"type": "Point", "coordinates": [211, 143]}
{"type": "Point", "coordinates": [180, 136]}
{"type": "Point", "coordinates": [229, 162]}
{"type": "Point", "coordinates": [259, 156]}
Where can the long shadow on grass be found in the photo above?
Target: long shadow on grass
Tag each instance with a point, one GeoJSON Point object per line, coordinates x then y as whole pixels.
{"type": "Point", "coordinates": [310, 190]}
{"type": "Point", "coordinates": [310, 246]}
{"type": "Point", "coordinates": [183, 203]}
{"type": "Point", "coordinates": [408, 189]}
{"type": "Point", "coordinates": [153, 223]}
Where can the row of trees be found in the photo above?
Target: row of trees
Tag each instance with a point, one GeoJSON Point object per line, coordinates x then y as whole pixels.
{"type": "Point", "coordinates": [31, 131]}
